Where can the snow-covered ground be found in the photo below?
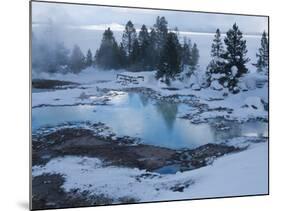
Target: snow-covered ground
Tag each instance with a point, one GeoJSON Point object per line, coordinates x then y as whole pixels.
{"type": "Point", "coordinates": [87, 76]}
{"type": "Point", "coordinates": [205, 116]}
{"type": "Point", "coordinates": [243, 173]}
{"type": "Point", "coordinates": [245, 105]}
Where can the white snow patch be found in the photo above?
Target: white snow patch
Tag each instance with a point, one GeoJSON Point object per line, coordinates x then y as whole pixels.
{"type": "Point", "coordinates": [243, 173]}
{"type": "Point", "coordinates": [215, 85]}
{"type": "Point", "coordinates": [234, 70]}
{"type": "Point", "coordinates": [255, 103]}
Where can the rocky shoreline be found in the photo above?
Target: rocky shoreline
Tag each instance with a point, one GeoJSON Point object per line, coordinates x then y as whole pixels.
{"type": "Point", "coordinates": [48, 194]}
{"type": "Point", "coordinates": [97, 140]}
{"type": "Point", "coordinates": [116, 151]}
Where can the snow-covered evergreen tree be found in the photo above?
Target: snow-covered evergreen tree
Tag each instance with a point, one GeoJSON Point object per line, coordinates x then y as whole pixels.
{"type": "Point", "coordinates": [161, 28]}
{"type": "Point", "coordinates": [161, 31]}
{"type": "Point", "coordinates": [262, 55]}
{"type": "Point", "coordinates": [217, 63]}
{"type": "Point", "coordinates": [170, 60]}
{"type": "Point", "coordinates": [217, 51]}
{"type": "Point", "coordinates": [135, 55]}
{"type": "Point", "coordinates": [107, 56]}
{"type": "Point", "coordinates": [186, 52]}
{"type": "Point", "coordinates": [89, 58]}
{"type": "Point", "coordinates": [77, 60]}
{"type": "Point", "coordinates": [235, 58]}
{"type": "Point", "coordinates": [194, 57]}
{"type": "Point", "coordinates": [122, 58]}
{"type": "Point", "coordinates": [152, 49]}
{"type": "Point", "coordinates": [143, 36]}
{"type": "Point", "coordinates": [144, 42]}
{"type": "Point", "coordinates": [128, 38]}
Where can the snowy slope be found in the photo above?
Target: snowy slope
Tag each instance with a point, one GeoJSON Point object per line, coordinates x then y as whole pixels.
{"type": "Point", "coordinates": [243, 173]}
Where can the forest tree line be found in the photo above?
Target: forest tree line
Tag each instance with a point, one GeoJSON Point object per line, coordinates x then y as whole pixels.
{"type": "Point", "coordinates": [157, 48]}
{"type": "Point", "coordinates": [229, 58]}
{"type": "Point", "coordinates": [154, 49]}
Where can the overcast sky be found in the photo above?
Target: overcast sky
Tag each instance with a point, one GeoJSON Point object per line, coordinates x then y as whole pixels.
{"type": "Point", "coordinates": [98, 17]}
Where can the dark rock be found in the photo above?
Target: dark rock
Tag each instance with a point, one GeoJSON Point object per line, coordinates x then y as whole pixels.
{"type": "Point", "coordinates": [52, 84]}
{"type": "Point", "coordinates": [51, 195]}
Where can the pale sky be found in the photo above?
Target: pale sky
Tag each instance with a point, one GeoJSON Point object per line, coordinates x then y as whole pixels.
{"type": "Point", "coordinates": [99, 17]}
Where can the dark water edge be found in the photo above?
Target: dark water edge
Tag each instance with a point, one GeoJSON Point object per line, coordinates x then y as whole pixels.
{"type": "Point", "coordinates": [51, 84]}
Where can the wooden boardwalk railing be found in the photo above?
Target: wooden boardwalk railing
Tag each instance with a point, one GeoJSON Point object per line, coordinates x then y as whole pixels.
{"type": "Point", "coordinates": [129, 78]}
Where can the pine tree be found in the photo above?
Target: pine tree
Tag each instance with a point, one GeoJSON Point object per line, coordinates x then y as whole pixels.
{"type": "Point", "coordinates": [107, 56]}
{"type": "Point", "coordinates": [143, 36]}
{"type": "Point", "coordinates": [144, 42]}
{"type": "Point", "coordinates": [77, 60]}
{"type": "Point", "coordinates": [235, 57]}
{"type": "Point", "coordinates": [89, 58]}
{"type": "Point", "coordinates": [128, 38]}
{"type": "Point", "coordinates": [262, 55]}
{"type": "Point", "coordinates": [217, 52]}
{"type": "Point", "coordinates": [176, 31]}
{"type": "Point", "coordinates": [186, 52]}
{"type": "Point", "coordinates": [217, 63]}
{"type": "Point", "coordinates": [194, 57]}
{"type": "Point", "coordinates": [161, 28]}
{"type": "Point", "coordinates": [170, 64]}
{"type": "Point", "coordinates": [122, 58]}
{"type": "Point", "coordinates": [116, 56]}
{"type": "Point", "coordinates": [135, 55]}
{"type": "Point", "coordinates": [153, 55]}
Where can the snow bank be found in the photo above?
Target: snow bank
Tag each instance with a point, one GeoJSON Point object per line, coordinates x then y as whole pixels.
{"type": "Point", "coordinates": [251, 80]}
{"type": "Point", "coordinates": [234, 70]}
{"type": "Point", "coordinates": [88, 75]}
{"type": "Point", "coordinates": [243, 173]}
{"type": "Point", "coordinates": [66, 97]}
{"type": "Point", "coordinates": [254, 103]}
{"type": "Point", "coordinates": [215, 85]}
